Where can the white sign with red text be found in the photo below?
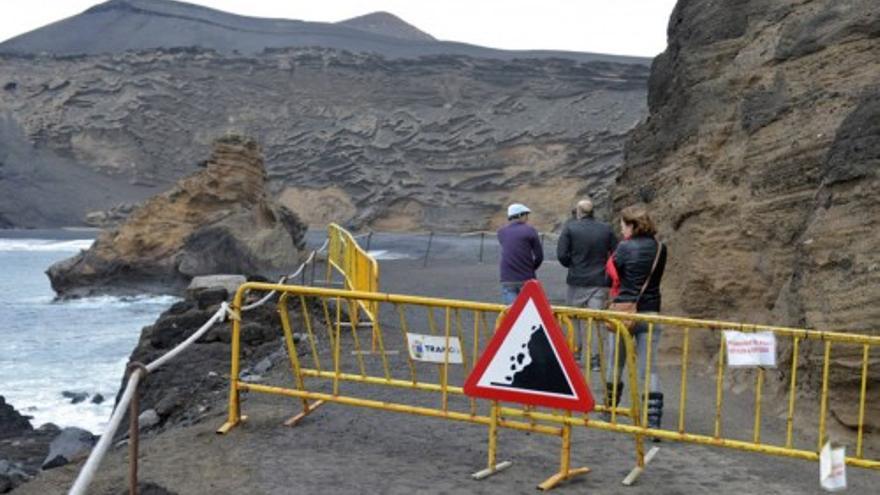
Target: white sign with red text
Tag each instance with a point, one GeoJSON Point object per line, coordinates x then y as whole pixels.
{"type": "Point", "coordinates": [750, 349]}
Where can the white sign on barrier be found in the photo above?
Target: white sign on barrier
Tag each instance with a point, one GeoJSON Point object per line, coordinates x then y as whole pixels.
{"type": "Point", "coordinates": [832, 468]}
{"type": "Point", "coordinates": [432, 348]}
{"type": "Point", "coordinates": [750, 349]}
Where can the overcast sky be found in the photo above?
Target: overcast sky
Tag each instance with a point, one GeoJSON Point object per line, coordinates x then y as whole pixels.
{"type": "Point", "coordinates": [622, 27]}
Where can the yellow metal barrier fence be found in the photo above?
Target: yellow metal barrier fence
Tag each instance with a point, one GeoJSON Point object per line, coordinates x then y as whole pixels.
{"type": "Point", "coordinates": [346, 360]}
{"type": "Point", "coordinates": [800, 348]}
{"type": "Point", "coordinates": [473, 323]}
{"type": "Point", "coordinates": [359, 270]}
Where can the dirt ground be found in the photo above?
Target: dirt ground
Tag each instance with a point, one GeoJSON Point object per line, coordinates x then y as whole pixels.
{"type": "Point", "coordinates": [341, 449]}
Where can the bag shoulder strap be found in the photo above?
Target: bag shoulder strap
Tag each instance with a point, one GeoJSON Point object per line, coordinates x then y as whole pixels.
{"type": "Point", "coordinates": [653, 267]}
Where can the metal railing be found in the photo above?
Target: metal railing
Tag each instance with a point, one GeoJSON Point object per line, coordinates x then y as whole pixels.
{"type": "Point", "coordinates": [469, 322]}
{"type": "Point", "coordinates": [358, 365]}
{"type": "Point", "coordinates": [359, 270]}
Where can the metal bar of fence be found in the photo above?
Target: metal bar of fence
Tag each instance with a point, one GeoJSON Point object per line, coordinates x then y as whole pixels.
{"type": "Point", "coordinates": [689, 437]}
{"type": "Point", "coordinates": [359, 353]}
{"type": "Point", "coordinates": [683, 394]}
{"type": "Point", "coordinates": [612, 402]}
{"type": "Point", "coordinates": [789, 420]}
{"type": "Point", "coordinates": [719, 388]}
{"type": "Point", "coordinates": [292, 353]}
{"type": "Point", "coordinates": [307, 322]}
{"type": "Point", "coordinates": [383, 356]}
{"type": "Point", "coordinates": [822, 335]}
{"type": "Point", "coordinates": [647, 377]}
{"type": "Point", "coordinates": [637, 429]}
{"type": "Point", "coordinates": [396, 407]}
{"type": "Point", "coordinates": [444, 368]}
{"type": "Point", "coordinates": [405, 330]}
{"type": "Point", "coordinates": [865, 351]}
{"type": "Point", "coordinates": [823, 407]}
{"type": "Point", "coordinates": [759, 388]}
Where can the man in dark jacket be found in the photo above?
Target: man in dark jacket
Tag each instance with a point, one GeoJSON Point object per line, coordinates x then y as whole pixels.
{"type": "Point", "coordinates": [521, 252]}
{"type": "Point", "coordinates": [584, 248]}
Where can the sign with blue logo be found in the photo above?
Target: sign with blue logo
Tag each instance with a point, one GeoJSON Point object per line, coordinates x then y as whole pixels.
{"type": "Point", "coordinates": [432, 348]}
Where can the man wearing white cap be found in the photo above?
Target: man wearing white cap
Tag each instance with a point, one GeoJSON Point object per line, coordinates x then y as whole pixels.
{"type": "Point", "coordinates": [521, 252]}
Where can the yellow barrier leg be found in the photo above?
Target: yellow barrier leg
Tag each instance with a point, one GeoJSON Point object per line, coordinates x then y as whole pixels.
{"type": "Point", "coordinates": [565, 471]}
{"type": "Point", "coordinates": [234, 417]}
{"type": "Point", "coordinates": [294, 361]}
{"type": "Point", "coordinates": [492, 467]}
{"type": "Point", "coordinates": [307, 409]}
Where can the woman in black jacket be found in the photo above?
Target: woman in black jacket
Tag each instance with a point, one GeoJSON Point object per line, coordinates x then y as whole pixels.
{"type": "Point", "coordinates": [640, 260]}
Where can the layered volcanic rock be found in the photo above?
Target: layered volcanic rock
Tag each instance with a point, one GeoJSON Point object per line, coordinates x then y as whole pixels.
{"type": "Point", "coordinates": [439, 142]}
{"type": "Point", "coordinates": [760, 159]}
{"type": "Point", "coordinates": [440, 138]}
{"type": "Point", "coordinates": [219, 220]}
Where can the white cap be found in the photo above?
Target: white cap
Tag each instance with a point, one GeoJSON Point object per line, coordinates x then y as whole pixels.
{"type": "Point", "coordinates": [517, 209]}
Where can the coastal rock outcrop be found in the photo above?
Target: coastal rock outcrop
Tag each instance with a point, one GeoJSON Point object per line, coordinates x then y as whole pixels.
{"type": "Point", "coordinates": [194, 386]}
{"type": "Point", "coordinates": [219, 220]}
{"type": "Point", "coordinates": [22, 447]}
{"type": "Point", "coordinates": [71, 445]}
{"type": "Point", "coordinates": [12, 422]}
{"type": "Point", "coordinates": [760, 159]}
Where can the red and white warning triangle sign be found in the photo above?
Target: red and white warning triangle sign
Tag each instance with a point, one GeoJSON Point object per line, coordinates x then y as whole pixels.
{"type": "Point", "coordinates": [528, 361]}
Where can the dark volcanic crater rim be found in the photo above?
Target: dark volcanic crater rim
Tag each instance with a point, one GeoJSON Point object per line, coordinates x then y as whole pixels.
{"type": "Point", "coordinates": [137, 25]}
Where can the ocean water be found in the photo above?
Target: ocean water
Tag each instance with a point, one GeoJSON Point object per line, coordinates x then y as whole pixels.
{"type": "Point", "coordinates": [48, 346]}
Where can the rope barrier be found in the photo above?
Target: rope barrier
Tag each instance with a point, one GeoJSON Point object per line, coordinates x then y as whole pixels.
{"type": "Point", "coordinates": [284, 278]}
{"type": "Point", "coordinates": [87, 474]}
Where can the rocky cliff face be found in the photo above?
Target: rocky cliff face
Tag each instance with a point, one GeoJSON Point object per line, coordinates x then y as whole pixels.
{"type": "Point", "coordinates": [219, 220]}
{"type": "Point", "coordinates": [441, 142]}
{"type": "Point", "coordinates": [760, 159]}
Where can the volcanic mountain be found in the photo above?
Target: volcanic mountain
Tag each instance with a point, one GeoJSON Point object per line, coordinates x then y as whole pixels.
{"type": "Point", "coordinates": [367, 121]}
{"type": "Point", "coordinates": [117, 26]}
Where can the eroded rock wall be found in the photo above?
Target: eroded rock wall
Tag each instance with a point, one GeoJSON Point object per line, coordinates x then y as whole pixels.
{"type": "Point", "coordinates": [760, 159]}
{"type": "Point", "coordinates": [439, 142]}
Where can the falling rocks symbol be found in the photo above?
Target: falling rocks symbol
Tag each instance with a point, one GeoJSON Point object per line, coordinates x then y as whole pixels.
{"type": "Point", "coordinates": [528, 360]}
{"type": "Point", "coordinates": [543, 372]}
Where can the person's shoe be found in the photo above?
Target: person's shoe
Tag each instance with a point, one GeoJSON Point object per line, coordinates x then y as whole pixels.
{"type": "Point", "coordinates": [594, 362]}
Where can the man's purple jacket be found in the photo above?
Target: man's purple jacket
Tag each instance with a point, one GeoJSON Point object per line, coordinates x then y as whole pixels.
{"type": "Point", "coordinates": [521, 252]}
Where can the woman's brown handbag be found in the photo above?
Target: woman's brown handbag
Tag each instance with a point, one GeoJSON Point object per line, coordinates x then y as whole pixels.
{"type": "Point", "coordinates": [632, 306]}
{"type": "Point", "coordinates": [625, 307]}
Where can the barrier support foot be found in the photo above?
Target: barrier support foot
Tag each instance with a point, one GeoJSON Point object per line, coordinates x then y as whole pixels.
{"type": "Point", "coordinates": [489, 471]}
{"type": "Point", "coordinates": [565, 470]}
{"type": "Point", "coordinates": [229, 425]}
{"type": "Point", "coordinates": [558, 478]}
{"type": "Point", "coordinates": [293, 421]}
{"type": "Point", "coordinates": [638, 470]}
{"type": "Point", "coordinates": [492, 467]}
